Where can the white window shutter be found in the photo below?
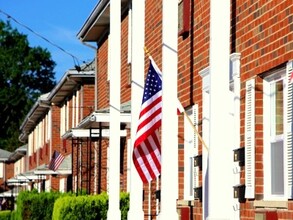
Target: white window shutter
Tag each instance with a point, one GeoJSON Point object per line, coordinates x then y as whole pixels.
{"type": "Point", "coordinates": [250, 139]}
{"type": "Point", "coordinates": [288, 142]}
{"type": "Point", "coordinates": [195, 145]}
{"type": "Point", "coordinates": [195, 122]}
{"type": "Point", "coordinates": [190, 150]}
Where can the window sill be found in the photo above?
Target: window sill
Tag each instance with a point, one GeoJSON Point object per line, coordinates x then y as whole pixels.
{"type": "Point", "coordinates": [271, 204]}
{"type": "Point", "coordinates": [185, 202]}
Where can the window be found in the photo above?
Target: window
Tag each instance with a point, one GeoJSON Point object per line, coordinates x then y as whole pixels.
{"type": "Point", "coordinates": [183, 16]}
{"type": "Point", "coordinates": [275, 138]}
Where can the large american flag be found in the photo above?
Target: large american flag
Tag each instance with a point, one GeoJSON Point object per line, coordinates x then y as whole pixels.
{"type": "Point", "coordinates": [147, 147]}
{"type": "Point", "coordinates": [56, 161]}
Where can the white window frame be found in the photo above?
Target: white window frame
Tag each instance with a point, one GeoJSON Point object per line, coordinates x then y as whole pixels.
{"type": "Point", "coordinates": [275, 76]}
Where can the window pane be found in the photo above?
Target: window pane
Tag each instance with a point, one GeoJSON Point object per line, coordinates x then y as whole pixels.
{"type": "Point", "coordinates": [277, 108]}
{"type": "Point", "coordinates": [191, 175]}
{"type": "Point", "coordinates": [277, 169]}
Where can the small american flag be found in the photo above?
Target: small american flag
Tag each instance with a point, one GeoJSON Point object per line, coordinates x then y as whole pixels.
{"type": "Point", "coordinates": [56, 160]}
{"type": "Point", "coordinates": [147, 147]}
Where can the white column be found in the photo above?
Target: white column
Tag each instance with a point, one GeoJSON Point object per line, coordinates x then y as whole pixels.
{"type": "Point", "coordinates": [114, 142]}
{"type": "Point", "coordinates": [235, 60]}
{"type": "Point", "coordinates": [220, 155]}
{"type": "Point", "coordinates": [137, 75]}
{"type": "Point", "coordinates": [205, 74]}
{"type": "Point", "coordinates": [169, 160]}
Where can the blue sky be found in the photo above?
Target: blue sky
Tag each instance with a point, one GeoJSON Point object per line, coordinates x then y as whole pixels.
{"type": "Point", "coordinates": [59, 21]}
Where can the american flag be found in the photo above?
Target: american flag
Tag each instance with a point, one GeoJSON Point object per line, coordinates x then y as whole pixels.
{"type": "Point", "coordinates": [147, 147]}
{"type": "Point", "coordinates": [56, 160]}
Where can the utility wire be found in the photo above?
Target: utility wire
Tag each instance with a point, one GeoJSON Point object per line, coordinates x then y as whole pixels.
{"type": "Point", "coordinates": [39, 35]}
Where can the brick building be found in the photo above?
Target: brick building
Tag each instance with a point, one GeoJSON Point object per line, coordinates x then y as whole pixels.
{"type": "Point", "coordinates": [257, 103]}
{"type": "Point", "coordinates": [239, 164]}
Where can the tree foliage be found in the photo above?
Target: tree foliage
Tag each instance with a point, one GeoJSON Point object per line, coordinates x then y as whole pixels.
{"type": "Point", "coordinates": [25, 73]}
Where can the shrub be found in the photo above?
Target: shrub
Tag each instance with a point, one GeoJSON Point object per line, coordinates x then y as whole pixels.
{"type": "Point", "coordinates": [5, 215]}
{"type": "Point", "coordinates": [33, 205]}
{"type": "Point", "coordinates": [124, 205]}
{"type": "Point", "coordinates": [81, 207]}
{"type": "Point", "coordinates": [87, 207]}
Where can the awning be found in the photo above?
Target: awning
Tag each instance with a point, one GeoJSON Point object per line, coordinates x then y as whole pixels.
{"type": "Point", "coordinates": [18, 153]}
{"type": "Point", "coordinates": [17, 182]}
{"type": "Point", "coordinates": [101, 118]}
{"type": "Point", "coordinates": [4, 155]}
{"type": "Point", "coordinates": [89, 133]}
{"type": "Point", "coordinates": [9, 193]}
{"type": "Point", "coordinates": [64, 168]}
{"type": "Point", "coordinates": [23, 178]}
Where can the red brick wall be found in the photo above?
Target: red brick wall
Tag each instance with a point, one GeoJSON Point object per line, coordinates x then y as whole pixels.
{"type": "Point", "coordinates": [8, 173]}
{"type": "Point", "coordinates": [262, 33]}
{"type": "Point", "coordinates": [88, 100]}
{"type": "Point", "coordinates": [264, 39]}
{"type": "Point", "coordinates": [102, 72]}
{"type": "Point", "coordinates": [56, 141]}
{"type": "Point", "coordinates": [102, 76]}
{"type": "Point", "coordinates": [125, 68]}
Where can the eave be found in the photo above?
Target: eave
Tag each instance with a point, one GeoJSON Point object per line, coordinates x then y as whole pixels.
{"type": "Point", "coordinates": [98, 23]}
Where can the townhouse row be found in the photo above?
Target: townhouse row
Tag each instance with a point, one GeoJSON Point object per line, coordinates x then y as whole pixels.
{"type": "Point", "coordinates": [233, 162]}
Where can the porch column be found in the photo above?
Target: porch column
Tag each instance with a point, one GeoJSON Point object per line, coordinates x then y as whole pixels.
{"type": "Point", "coordinates": [169, 159]}
{"type": "Point", "coordinates": [114, 142]}
{"type": "Point", "coordinates": [220, 154]}
{"type": "Point", "coordinates": [137, 75]}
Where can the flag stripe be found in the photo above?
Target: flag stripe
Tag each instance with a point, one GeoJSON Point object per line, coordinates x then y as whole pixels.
{"type": "Point", "coordinates": [147, 130]}
{"type": "Point", "coordinates": [56, 161]}
{"type": "Point", "coordinates": [148, 106]}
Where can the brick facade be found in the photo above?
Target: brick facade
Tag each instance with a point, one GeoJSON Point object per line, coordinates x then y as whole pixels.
{"type": "Point", "coordinates": [261, 32]}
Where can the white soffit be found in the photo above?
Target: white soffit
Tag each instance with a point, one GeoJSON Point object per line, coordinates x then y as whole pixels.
{"type": "Point", "coordinates": [93, 133]}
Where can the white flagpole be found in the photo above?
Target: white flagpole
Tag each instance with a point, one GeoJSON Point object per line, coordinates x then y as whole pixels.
{"type": "Point", "coordinates": [137, 82]}
{"type": "Point", "coordinates": [169, 158]}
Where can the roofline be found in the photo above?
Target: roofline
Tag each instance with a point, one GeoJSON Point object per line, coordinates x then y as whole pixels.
{"type": "Point", "coordinates": [47, 101]}
{"type": "Point", "coordinates": [70, 74]}
{"type": "Point", "coordinates": [40, 102]}
{"type": "Point", "coordinates": [93, 17]}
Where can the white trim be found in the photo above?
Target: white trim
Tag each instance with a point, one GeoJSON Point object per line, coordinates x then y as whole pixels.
{"type": "Point", "coordinates": [268, 140]}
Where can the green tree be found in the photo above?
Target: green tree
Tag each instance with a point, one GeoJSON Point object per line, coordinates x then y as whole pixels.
{"type": "Point", "coordinates": [25, 73]}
